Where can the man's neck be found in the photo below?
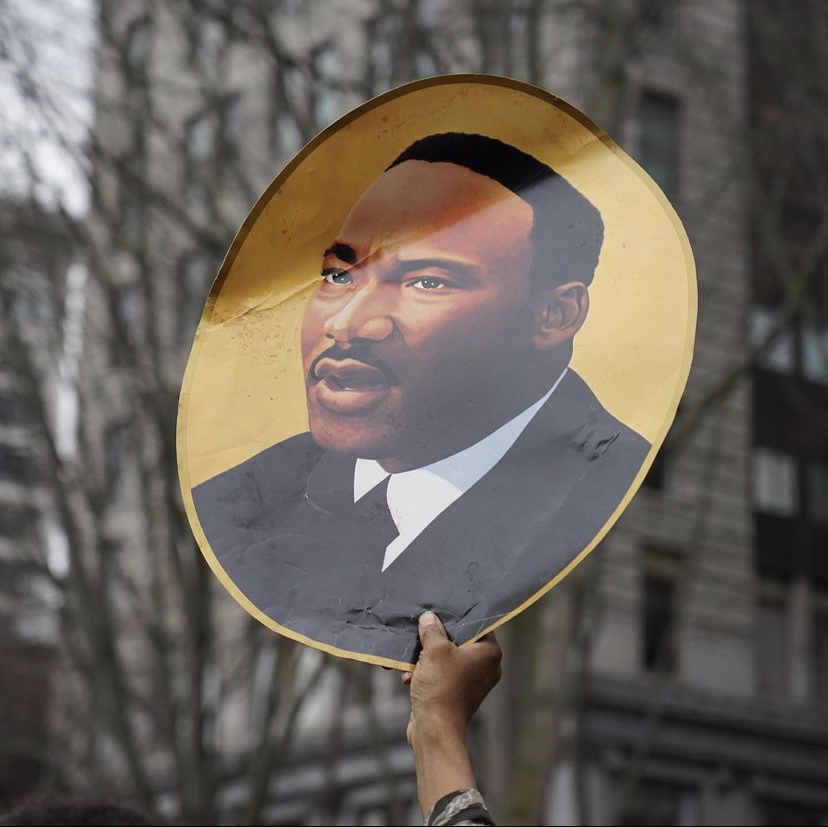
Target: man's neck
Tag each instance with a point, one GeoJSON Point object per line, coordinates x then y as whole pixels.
{"type": "Point", "coordinates": [435, 453]}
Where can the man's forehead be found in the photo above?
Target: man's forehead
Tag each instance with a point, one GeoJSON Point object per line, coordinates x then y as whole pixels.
{"type": "Point", "coordinates": [419, 198]}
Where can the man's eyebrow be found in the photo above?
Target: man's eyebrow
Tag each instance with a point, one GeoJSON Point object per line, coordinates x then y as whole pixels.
{"type": "Point", "coordinates": [460, 268]}
{"type": "Point", "coordinates": [343, 252]}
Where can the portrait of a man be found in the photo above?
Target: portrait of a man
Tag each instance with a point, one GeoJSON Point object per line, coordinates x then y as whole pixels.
{"type": "Point", "coordinates": [455, 460]}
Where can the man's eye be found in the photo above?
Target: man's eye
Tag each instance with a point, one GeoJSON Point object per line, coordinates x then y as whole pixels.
{"type": "Point", "coordinates": [337, 277]}
{"type": "Point", "coordinates": [429, 283]}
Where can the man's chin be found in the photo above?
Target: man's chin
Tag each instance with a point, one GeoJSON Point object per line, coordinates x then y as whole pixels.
{"type": "Point", "coordinates": [350, 435]}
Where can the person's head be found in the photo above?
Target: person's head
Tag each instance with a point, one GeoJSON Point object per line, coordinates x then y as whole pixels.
{"type": "Point", "coordinates": [449, 300]}
{"type": "Point", "coordinates": [76, 812]}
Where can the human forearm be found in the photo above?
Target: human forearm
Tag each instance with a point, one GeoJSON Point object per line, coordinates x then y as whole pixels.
{"type": "Point", "coordinates": [442, 762]}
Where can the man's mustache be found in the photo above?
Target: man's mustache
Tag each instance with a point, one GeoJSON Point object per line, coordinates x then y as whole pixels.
{"type": "Point", "coordinates": [357, 353]}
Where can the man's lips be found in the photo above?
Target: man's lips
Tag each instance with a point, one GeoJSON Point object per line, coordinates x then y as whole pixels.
{"type": "Point", "coordinates": [350, 374]}
{"type": "Point", "coordinates": [348, 386]}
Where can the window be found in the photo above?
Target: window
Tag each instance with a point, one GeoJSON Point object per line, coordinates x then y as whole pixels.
{"type": "Point", "coordinates": [424, 64]}
{"type": "Point", "coordinates": [9, 408]}
{"type": "Point", "coordinates": [793, 814]}
{"type": "Point", "coordinates": [17, 466]}
{"type": "Point", "coordinates": [779, 356]}
{"type": "Point", "coordinates": [117, 443]}
{"type": "Point", "coordinates": [127, 309]}
{"type": "Point", "coordinates": [196, 274]}
{"type": "Point", "coordinates": [657, 13]}
{"type": "Point", "coordinates": [656, 804]}
{"type": "Point", "coordinates": [819, 649]}
{"type": "Point", "coordinates": [206, 37]}
{"type": "Point", "coordinates": [136, 50]}
{"type": "Point", "coordinates": [658, 118]}
{"type": "Point", "coordinates": [200, 139]}
{"type": "Point", "coordinates": [660, 475]}
{"type": "Point", "coordinates": [818, 490]}
{"type": "Point", "coordinates": [200, 142]}
{"type": "Point", "coordinates": [326, 71]}
{"type": "Point", "coordinates": [210, 139]}
{"type": "Point", "coordinates": [287, 137]}
{"type": "Point", "coordinates": [127, 305]}
{"type": "Point", "coordinates": [230, 125]}
{"type": "Point", "coordinates": [815, 354]}
{"type": "Point", "coordinates": [380, 37]}
{"type": "Point", "coordinates": [658, 634]}
{"type": "Point", "coordinates": [17, 521]}
{"type": "Point", "coordinates": [132, 217]}
{"type": "Point", "coordinates": [29, 306]}
{"type": "Point", "coordinates": [295, 89]}
{"type": "Point", "coordinates": [772, 640]}
{"type": "Point", "coordinates": [775, 488]}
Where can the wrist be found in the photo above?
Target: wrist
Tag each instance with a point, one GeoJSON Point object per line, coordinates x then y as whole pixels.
{"type": "Point", "coordinates": [435, 730]}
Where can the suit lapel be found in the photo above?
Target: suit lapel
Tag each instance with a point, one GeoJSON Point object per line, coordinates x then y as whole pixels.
{"type": "Point", "coordinates": [477, 540]}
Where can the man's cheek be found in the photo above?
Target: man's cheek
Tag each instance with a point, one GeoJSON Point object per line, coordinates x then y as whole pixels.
{"type": "Point", "coordinates": [311, 332]}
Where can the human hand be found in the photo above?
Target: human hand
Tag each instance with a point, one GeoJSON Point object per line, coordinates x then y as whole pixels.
{"type": "Point", "coordinates": [449, 683]}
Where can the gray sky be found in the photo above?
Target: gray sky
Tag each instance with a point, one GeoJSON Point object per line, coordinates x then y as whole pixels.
{"type": "Point", "coordinates": [46, 62]}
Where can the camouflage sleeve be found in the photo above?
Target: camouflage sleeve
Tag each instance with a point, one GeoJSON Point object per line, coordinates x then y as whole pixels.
{"type": "Point", "coordinates": [464, 807]}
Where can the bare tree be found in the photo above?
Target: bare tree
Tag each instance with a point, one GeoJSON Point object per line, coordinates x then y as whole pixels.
{"type": "Point", "coordinates": [165, 689]}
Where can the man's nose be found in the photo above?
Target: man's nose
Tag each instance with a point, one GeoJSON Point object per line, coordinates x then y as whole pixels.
{"type": "Point", "coordinates": [365, 315]}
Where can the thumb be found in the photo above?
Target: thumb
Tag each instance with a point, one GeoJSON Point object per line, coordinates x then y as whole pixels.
{"type": "Point", "coordinates": [431, 629]}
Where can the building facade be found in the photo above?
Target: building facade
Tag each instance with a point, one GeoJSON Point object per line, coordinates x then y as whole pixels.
{"type": "Point", "coordinates": [689, 653]}
{"type": "Point", "coordinates": [37, 255]}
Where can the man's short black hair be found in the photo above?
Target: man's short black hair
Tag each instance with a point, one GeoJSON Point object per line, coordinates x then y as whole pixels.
{"type": "Point", "coordinates": [567, 231]}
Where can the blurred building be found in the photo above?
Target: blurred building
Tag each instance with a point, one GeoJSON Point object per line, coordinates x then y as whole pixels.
{"type": "Point", "coordinates": [36, 253]}
{"type": "Point", "coordinates": [699, 695]}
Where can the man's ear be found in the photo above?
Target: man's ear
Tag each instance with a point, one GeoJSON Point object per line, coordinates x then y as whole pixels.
{"type": "Point", "coordinates": [559, 313]}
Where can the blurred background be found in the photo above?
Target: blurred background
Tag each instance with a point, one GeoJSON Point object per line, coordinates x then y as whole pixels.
{"type": "Point", "coordinates": [678, 677]}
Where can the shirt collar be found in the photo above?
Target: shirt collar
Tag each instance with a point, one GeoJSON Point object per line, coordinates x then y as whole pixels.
{"type": "Point", "coordinates": [417, 497]}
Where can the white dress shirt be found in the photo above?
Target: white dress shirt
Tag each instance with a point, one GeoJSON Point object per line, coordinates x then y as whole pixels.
{"type": "Point", "coordinates": [417, 497]}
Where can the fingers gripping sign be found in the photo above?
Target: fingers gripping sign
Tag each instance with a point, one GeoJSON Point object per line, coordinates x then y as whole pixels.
{"type": "Point", "coordinates": [449, 683]}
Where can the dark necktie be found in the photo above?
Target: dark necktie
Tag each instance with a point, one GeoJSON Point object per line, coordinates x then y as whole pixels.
{"type": "Point", "coordinates": [372, 509]}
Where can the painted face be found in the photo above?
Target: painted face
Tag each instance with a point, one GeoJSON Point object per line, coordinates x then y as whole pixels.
{"type": "Point", "coordinates": [418, 330]}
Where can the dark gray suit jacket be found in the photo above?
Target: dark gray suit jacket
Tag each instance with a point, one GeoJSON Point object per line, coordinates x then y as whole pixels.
{"type": "Point", "coordinates": [284, 527]}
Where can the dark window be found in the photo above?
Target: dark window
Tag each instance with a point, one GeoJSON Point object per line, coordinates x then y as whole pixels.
{"type": "Point", "coordinates": [196, 274]}
{"type": "Point", "coordinates": [819, 650]}
{"type": "Point", "coordinates": [136, 49]}
{"type": "Point", "coordinates": [793, 814]}
{"type": "Point", "coordinates": [774, 482]}
{"type": "Point", "coordinates": [126, 309]}
{"type": "Point", "coordinates": [380, 35]}
{"type": "Point", "coordinates": [30, 306]}
{"type": "Point", "coordinates": [230, 125]}
{"type": "Point", "coordinates": [211, 139]}
{"type": "Point", "coordinates": [658, 804]}
{"type": "Point", "coordinates": [658, 121]}
{"type": "Point", "coordinates": [200, 139]}
{"type": "Point", "coordinates": [9, 408]}
{"type": "Point", "coordinates": [326, 72]}
{"type": "Point", "coordinates": [17, 521]}
{"type": "Point", "coordinates": [287, 136]}
{"type": "Point", "coordinates": [127, 306]}
{"type": "Point", "coordinates": [206, 36]}
{"type": "Point", "coordinates": [658, 634]}
{"type": "Point", "coordinates": [772, 641]}
{"type": "Point", "coordinates": [117, 444]}
{"type": "Point", "coordinates": [659, 477]}
{"type": "Point", "coordinates": [658, 13]}
{"type": "Point", "coordinates": [17, 465]}
{"type": "Point", "coordinates": [818, 490]}
{"type": "Point", "coordinates": [132, 216]}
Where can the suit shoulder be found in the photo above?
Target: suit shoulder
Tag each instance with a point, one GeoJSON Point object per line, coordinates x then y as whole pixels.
{"type": "Point", "coordinates": [600, 432]}
{"type": "Point", "coordinates": [271, 476]}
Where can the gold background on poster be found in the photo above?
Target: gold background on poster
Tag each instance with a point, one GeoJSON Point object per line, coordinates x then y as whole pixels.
{"type": "Point", "coordinates": [244, 391]}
